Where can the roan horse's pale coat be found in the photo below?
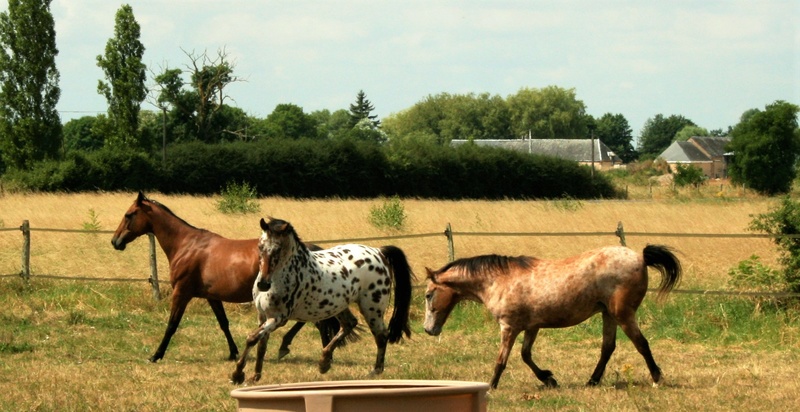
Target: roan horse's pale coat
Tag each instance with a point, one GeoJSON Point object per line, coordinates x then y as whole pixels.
{"type": "Point", "coordinates": [527, 294]}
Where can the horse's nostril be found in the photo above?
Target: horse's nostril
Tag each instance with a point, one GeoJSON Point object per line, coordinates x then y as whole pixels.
{"type": "Point", "coordinates": [264, 285]}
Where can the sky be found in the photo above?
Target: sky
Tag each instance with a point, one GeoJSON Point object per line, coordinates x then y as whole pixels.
{"type": "Point", "coordinates": [708, 61]}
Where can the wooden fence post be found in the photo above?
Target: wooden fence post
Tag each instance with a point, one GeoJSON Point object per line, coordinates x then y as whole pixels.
{"type": "Point", "coordinates": [449, 233]}
{"type": "Point", "coordinates": [621, 233]}
{"type": "Point", "coordinates": [154, 268]}
{"type": "Point", "coordinates": [26, 250]}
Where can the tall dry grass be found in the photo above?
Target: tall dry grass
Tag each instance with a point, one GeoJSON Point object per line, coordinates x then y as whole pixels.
{"type": "Point", "coordinates": [706, 260]}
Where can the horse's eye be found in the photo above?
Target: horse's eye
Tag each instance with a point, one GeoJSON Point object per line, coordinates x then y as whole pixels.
{"type": "Point", "coordinates": [429, 296]}
{"type": "Point", "coordinates": [130, 215]}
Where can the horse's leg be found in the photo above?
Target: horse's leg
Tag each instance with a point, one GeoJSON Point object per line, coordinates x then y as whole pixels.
{"type": "Point", "coordinates": [609, 344]}
{"type": "Point", "coordinates": [254, 337]}
{"type": "Point", "coordinates": [348, 322]}
{"type": "Point", "coordinates": [527, 345]}
{"type": "Point", "coordinates": [631, 328]}
{"type": "Point", "coordinates": [177, 307]}
{"type": "Point", "coordinates": [381, 334]}
{"type": "Point", "coordinates": [219, 312]}
{"type": "Point", "coordinates": [507, 337]}
{"type": "Point", "coordinates": [260, 352]}
{"type": "Point", "coordinates": [287, 339]}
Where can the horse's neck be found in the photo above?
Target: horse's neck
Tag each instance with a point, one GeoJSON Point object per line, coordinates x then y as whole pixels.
{"type": "Point", "coordinates": [171, 232]}
{"type": "Point", "coordinates": [286, 273]}
{"type": "Point", "coordinates": [470, 287]}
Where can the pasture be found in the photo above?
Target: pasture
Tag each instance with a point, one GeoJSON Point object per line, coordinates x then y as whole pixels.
{"type": "Point", "coordinates": [78, 345]}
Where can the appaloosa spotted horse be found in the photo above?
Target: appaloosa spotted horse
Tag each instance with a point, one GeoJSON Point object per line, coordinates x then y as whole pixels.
{"type": "Point", "coordinates": [294, 283]}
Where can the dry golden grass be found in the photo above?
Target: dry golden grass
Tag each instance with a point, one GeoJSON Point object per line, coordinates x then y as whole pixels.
{"type": "Point", "coordinates": [706, 260]}
{"type": "Point", "coordinates": [76, 364]}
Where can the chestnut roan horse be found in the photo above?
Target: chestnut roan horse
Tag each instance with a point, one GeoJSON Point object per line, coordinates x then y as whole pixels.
{"type": "Point", "coordinates": [296, 283]}
{"type": "Point", "coordinates": [202, 264]}
{"type": "Point", "coordinates": [526, 294]}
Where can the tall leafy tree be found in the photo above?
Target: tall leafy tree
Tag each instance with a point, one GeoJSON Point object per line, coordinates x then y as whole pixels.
{"type": "Point", "coordinates": [548, 113]}
{"type": "Point", "coordinates": [362, 109]}
{"type": "Point", "coordinates": [289, 121]}
{"type": "Point", "coordinates": [30, 128]}
{"type": "Point", "coordinates": [194, 109]}
{"type": "Point", "coordinates": [125, 74]}
{"type": "Point", "coordinates": [766, 146]}
{"type": "Point", "coordinates": [615, 131]}
{"type": "Point", "coordinates": [659, 132]}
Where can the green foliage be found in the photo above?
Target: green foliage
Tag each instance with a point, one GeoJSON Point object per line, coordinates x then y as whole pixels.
{"type": "Point", "coordinates": [288, 121]}
{"type": "Point", "coordinates": [690, 131]}
{"type": "Point", "coordinates": [686, 175]}
{"type": "Point", "coordinates": [93, 223]}
{"type": "Point", "coordinates": [766, 146]}
{"type": "Point", "coordinates": [783, 222]}
{"type": "Point", "coordinates": [659, 132]}
{"type": "Point", "coordinates": [616, 133]}
{"type": "Point", "coordinates": [753, 276]}
{"type": "Point", "coordinates": [30, 127]}
{"type": "Point", "coordinates": [567, 204]}
{"type": "Point", "coordinates": [361, 110]}
{"type": "Point", "coordinates": [389, 215]}
{"type": "Point", "coordinates": [238, 198]}
{"type": "Point", "coordinates": [548, 113]}
{"type": "Point", "coordinates": [125, 74]}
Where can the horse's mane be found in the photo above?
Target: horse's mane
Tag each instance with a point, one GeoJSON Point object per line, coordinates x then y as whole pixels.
{"type": "Point", "coordinates": [289, 230]}
{"type": "Point", "coordinates": [168, 210]}
{"type": "Point", "coordinates": [488, 265]}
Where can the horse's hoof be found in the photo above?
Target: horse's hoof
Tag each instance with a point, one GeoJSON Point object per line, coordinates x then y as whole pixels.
{"type": "Point", "coordinates": [233, 357]}
{"type": "Point", "coordinates": [154, 358]}
{"type": "Point", "coordinates": [256, 377]}
{"type": "Point", "coordinates": [324, 367]}
{"type": "Point", "coordinates": [282, 353]}
{"type": "Point", "coordinates": [237, 378]}
{"type": "Point", "coordinates": [550, 383]}
{"type": "Point", "coordinates": [376, 372]}
{"type": "Point", "coordinates": [592, 382]}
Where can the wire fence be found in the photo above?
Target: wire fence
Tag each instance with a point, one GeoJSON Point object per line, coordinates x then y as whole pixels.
{"type": "Point", "coordinates": [448, 233]}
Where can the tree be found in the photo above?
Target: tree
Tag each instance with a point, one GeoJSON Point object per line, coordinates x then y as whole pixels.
{"type": "Point", "coordinates": [194, 110]}
{"type": "Point", "coordinates": [125, 73]}
{"type": "Point", "coordinates": [30, 128]}
{"type": "Point", "coordinates": [690, 131]}
{"type": "Point", "coordinates": [289, 121]}
{"type": "Point", "coordinates": [765, 146]}
{"type": "Point", "coordinates": [361, 109]}
{"type": "Point", "coordinates": [659, 132]}
{"type": "Point", "coordinates": [79, 134]}
{"type": "Point", "coordinates": [616, 133]}
{"type": "Point", "coordinates": [548, 113]}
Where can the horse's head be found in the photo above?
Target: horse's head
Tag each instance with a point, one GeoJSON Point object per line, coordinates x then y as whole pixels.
{"type": "Point", "coordinates": [272, 249]}
{"type": "Point", "coordinates": [440, 300]}
{"type": "Point", "coordinates": [134, 224]}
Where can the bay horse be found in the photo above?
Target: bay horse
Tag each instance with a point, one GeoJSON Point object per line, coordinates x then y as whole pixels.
{"type": "Point", "coordinates": [296, 283]}
{"type": "Point", "coordinates": [202, 264]}
{"type": "Point", "coordinates": [526, 294]}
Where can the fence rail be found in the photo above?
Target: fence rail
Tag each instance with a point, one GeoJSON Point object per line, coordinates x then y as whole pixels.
{"type": "Point", "coordinates": [26, 230]}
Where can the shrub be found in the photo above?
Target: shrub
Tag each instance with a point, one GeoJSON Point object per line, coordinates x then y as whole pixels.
{"type": "Point", "coordinates": [238, 198]}
{"type": "Point", "coordinates": [783, 222]}
{"type": "Point", "coordinates": [390, 215]}
{"type": "Point", "coordinates": [753, 276]}
{"type": "Point", "coordinates": [688, 175]}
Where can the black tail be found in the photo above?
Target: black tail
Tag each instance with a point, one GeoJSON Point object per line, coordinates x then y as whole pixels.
{"type": "Point", "coordinates": [662, 258]}
{"type": "Point", "coordinates": [402, 293]}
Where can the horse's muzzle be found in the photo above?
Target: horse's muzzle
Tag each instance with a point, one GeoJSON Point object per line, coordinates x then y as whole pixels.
{"type": "Point", "coordinates": [434, 331]}
{"type": "Point", "coordinates": [118, 243]}
{"type": "Point", "coordinates": [263, 285]}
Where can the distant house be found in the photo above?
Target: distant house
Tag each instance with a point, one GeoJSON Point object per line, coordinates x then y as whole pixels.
{"type": "Point", "coordinates": [705, 152]}
{"type": "Point", "coordinates": [579, 150]}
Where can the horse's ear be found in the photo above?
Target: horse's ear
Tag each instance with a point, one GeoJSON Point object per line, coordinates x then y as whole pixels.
{"type": "Point", "coordinates": [140, 198]}
{"type": "Point", "coordinates": [431, 275]}
{"type": "Point", "coordinates": [264, 225]}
